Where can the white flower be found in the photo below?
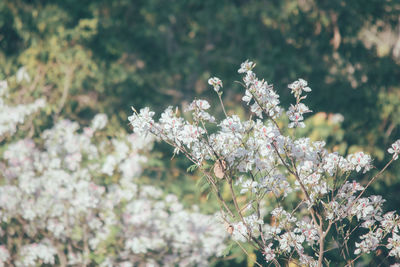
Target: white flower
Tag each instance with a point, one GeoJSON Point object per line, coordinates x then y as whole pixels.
{"type": "Point", "coordinates": [232, 124]}
{"type": "Point", "coordinates": [269, 253]}
{"type": "Point", "coordinates": [369, 242]}
{"type": "Point", "coordinates": [395, 149]}
{"type": "Point", "coordinates": [248, 185]}
{"type": "Point", "coordinates": [239, 232]}
{"type": "Point", "coordinates": [298, 86]}
{"type": "Point", "coordinates": [4, 255]}
{"type": "Point", "coordinates": [22, 74]}
{"type": "Point", "coordinates": [34, 253]}
{"type": "Point", "coordinates": [3, 87]}
{"type": "Point", "coordinates": [142, 122]}
{"type": "Point", "coordinates": [295, 114]}
{"type": "Point", "coordinates": [58, 189]}
{"type": "Point", "coordinates": [246, 66]}
{"type": "Point", "coordinates": [216, 83]}
{"type": "Point", "coordinates": [99, 121]}
{"type": "Point", "coordinates": [359, 161]}
{"type": "Point", "coordinates": [290, 240]}
{"type": "Point", "coordinates": [394, 245]}
{"type": "Point", "coordinates": [11, 116]}
{"type": "Point", "coordinates": [199, 104]}
{"type": "Point", "coordinates": [259, 158]}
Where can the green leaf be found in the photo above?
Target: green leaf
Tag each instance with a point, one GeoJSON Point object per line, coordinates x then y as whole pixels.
{"type": "Point", "coordinates": [204, 187]}
{"type": "Point", "coordinates": [192, 168]}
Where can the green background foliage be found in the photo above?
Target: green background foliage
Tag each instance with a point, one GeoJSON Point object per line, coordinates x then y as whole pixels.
{"type": "Point", "coordinates": [105, 56]}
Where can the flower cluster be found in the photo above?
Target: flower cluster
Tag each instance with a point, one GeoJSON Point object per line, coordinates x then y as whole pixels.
{"type": "Point", "coordinates": [216, 83]}
{"type": "Point", "coordinates": [199, 108]}
{"type": "Point", "coordinates": [74, 197]}
{"type": "Point", "coordinates": [11, 116]}
{"type": "Point", "coordinates": [257, 162]}
{"type": "Point", "coordinates": [261, 94]}
{"type": "Point", "coordinates": [298, 87]}
{"type": "Point", "coordinates": [295, 112]}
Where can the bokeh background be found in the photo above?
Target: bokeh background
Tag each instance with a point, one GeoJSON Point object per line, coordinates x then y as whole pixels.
{"type": "Point", "coordinates": [87, 57]}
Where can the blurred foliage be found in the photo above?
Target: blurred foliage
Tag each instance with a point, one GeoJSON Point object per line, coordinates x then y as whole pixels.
{"type": "Point", "coordinates": [105, 56]}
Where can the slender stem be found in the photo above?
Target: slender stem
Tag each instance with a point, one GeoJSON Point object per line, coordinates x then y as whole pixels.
{"type": "Point", "coordinates": [222, 104]}
{"type": "Point", "coordinates": [369, 183]}
{"type": "Point", "coordinates": [312, 211]}
{"type": "Point", "coordinates": [374, 178]}
{"type": "Point", "coordinates": [350, 263]}
{"type": "Point", "coordinates": [248, 255]}
{"type": "Point", "coordinates": [189, 157]}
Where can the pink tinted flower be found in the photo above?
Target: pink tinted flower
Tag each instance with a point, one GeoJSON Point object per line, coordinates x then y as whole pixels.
{"type": "Point", "coordinates": [216, 83]}
{"type": "Point", "coordinates": [395, 149]}
{"type": "Point", "coordinates": [246, 66]}
{"type": "Point", "coordinates": [269, 253]}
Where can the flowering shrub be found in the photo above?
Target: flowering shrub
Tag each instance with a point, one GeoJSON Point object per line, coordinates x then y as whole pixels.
{"type": "Point", "coordinates": [11, 116]}
{"type": "Point", "coordinates": [74, 198]}
{"type": "Point", "coordinates": [257, 161]}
